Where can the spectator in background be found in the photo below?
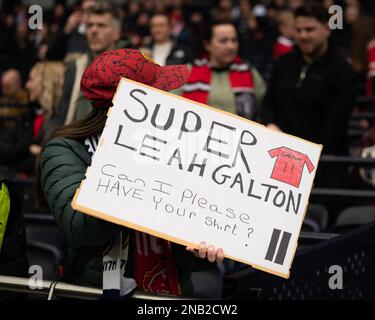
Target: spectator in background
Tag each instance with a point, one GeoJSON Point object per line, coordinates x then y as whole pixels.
{"type": "Point", "coordinates": [72, 39]}
{"type": "Point", "coordinates": [244, 13]}
{"type": "Point", "coordinates": [13, 103]}
{"type": "Point", "coordinates": [179, 30]}
{"type": "Point", "coordinates": [285, 42]}
{"type": "Point", "coordinates": [103, 33]}
{"type": "Point", "coordinates": [257, 37]}
{"type": "Point", "coordinates": [11, 87]}
{"type": "Point", "coordinates": [198, 28]}
{"type": "Point", "coordinates": [223, 11]}
{"type": "Point", "coordinates": [132, 8]}
{"type": "Point", "coordinates": [21, 143]}
{"type": "Point", "coordinates": [164, 50]}
{"type": "Point", "coordinates": [220, 78]}
{"type": "Point", "coordinates": [341, 37]}
{"type": "Point", "coordinates": [41, 39]}
{"type": "Point", "coordinates": [14, 114]}
{"type": "Point", "coordinates": [312, 90]}
{"type": "Point", "coordinates": [7, 25]}
{"type": "Point", "coordinates": [142, 26]}
{"type": "Point", "coordinates": [45, 89]}
{"type": "Point", "coordinates": [352, 13]}
{"type": "Point", "coordinates": [59, 17]}
{"type": "Point", "coordinates": [362, 54]}
{"type": "Point", "coordinates": [23, 53]}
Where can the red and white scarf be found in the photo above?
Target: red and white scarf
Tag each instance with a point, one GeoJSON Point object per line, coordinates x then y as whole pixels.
{"type": "Point", "coordinates": [154, 267]}
{"type": "Point", "coordinates": [241, 80]}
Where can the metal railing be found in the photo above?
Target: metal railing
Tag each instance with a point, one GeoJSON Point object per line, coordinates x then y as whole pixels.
{"type": "Point", "coordinates": [306, 238]}
{"type": "Point", "coordinates": [52, 289]}
{"type": "Point", "coordinates": [349, 161]}
{"type": "Point", "coordinates": [345, 195]}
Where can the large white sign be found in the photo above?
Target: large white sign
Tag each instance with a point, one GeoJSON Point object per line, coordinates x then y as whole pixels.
{"type": "Point", "coordinates": [187, 172]}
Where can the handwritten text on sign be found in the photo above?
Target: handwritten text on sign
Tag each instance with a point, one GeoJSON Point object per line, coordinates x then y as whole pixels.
{"type": "Point", "coordinates": [186, 172]}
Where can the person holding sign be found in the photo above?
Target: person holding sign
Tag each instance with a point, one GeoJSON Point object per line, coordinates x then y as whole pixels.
{"type": "Point", "coordinates": [100, 252]}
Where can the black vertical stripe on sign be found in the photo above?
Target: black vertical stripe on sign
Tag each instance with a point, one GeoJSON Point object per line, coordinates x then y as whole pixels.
{"type": "Point", "coordinates": [281, 253]}
{"type": "Point", "coordinates": [273, 244]}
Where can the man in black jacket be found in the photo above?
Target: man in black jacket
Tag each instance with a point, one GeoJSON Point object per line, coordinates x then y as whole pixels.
{"type": "Point", "coordinates": [312, 90]}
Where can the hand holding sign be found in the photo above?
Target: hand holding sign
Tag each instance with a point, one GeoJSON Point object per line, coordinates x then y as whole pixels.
{"type": "Point", "coordinates": [208, 252]}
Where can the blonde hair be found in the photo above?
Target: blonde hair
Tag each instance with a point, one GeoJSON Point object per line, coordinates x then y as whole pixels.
{"type": "Point", "coordinates": [51, 80]}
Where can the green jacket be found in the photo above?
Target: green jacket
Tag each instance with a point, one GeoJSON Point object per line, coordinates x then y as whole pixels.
{"type": "Point", "coordinates": [63, 166]}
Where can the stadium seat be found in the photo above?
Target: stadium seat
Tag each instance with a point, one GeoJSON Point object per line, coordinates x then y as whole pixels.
{"type": "Point", "coordinates": [353, 217]}
{"type": "Point", "coordinates": [316, 218]}
{"type": "Point", "coordinates": [43, 244]}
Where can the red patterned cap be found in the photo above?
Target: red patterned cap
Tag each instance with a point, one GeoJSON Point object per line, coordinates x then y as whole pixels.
{"type": "Point", "coordinates": [101, 77]}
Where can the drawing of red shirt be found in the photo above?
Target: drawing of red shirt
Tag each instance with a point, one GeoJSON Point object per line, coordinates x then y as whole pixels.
{"type": "Point", "coordinates": [289, 165]}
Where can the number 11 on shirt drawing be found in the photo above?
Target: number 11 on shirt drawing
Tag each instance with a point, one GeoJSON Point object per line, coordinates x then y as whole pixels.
{"type": "Point", "coordinates": [289, 165]}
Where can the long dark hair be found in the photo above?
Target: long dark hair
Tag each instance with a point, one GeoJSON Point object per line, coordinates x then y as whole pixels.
{"type": "Point", "coordinates": [91, 125]}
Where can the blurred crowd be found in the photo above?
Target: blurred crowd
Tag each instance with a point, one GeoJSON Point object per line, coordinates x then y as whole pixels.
{"type": "Point", "coordinates": [40, 69]}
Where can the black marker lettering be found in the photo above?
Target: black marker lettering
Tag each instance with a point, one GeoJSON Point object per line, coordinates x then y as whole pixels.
{"type": "Point", "coordinates": [202, 166]}
{"type": "Point", "coordinates": [176, 155]}
{"type": "Point", "coordinates": [207, 147]}
{"type": "Point", "coordinates": [225, 177]}
{"type": "Point", "coordinates": [132, 94]}
{"type": "Point", "coordinates": [120, 127]}
{"type": "Point", "coordinates": [239, 149]}
{"type": "Point", "coordinates": [107, 174]}
{"type": "Point", "coordinates": [198, 124]}
{"type": "Point", "coordinates": [169, 121]}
